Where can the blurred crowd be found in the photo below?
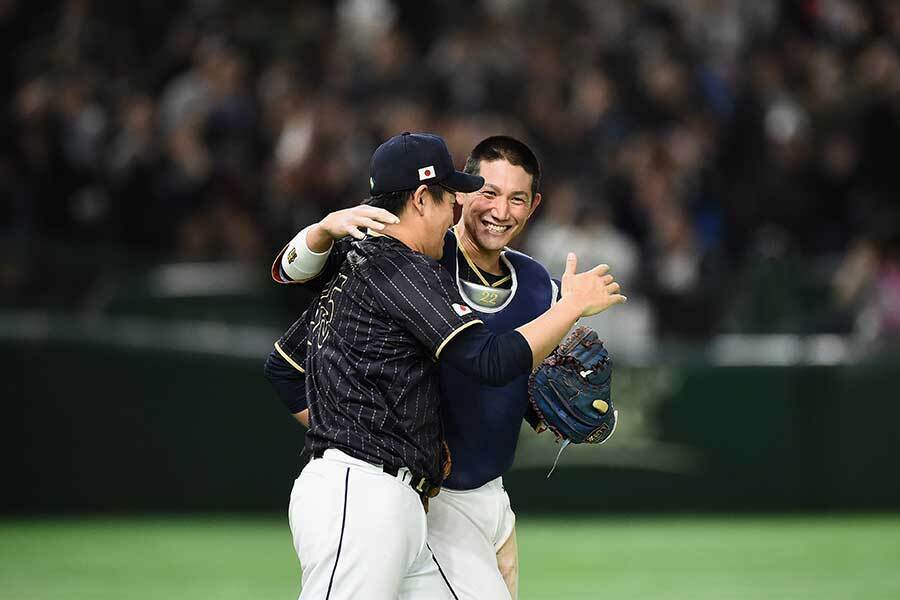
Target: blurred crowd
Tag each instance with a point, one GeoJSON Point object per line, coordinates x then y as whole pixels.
{"type": "Point", "coordinates": [736, 162]}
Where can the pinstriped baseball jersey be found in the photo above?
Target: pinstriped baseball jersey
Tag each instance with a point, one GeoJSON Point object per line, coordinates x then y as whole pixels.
{"type": "Point", "coordinates": [372, 338]}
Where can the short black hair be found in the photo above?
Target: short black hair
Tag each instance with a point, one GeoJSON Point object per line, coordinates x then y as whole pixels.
{"type": "Point", "coordinates": [511, 150]}
{"type": "Point", "coordinates": [393, 202]}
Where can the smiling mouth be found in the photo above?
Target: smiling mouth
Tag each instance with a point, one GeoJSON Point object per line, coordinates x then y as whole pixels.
{"type": "Point", "coordinates": [496, 228]}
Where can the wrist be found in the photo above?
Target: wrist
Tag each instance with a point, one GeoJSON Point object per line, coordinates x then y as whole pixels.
{"type": "Point", "coordinates": [300, 262]}
{"type": "Point", "coordinates": [570, 307]}
{"type": "Point", "coordinates": [318, 239]}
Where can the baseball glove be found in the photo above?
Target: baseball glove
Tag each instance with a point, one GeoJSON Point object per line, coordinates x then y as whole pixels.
{"type": "Point", "coordinates": [570, 390]}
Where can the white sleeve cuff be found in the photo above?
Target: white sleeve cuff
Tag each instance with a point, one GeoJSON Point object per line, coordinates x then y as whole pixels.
{"type": "Point", "coordinates": [299, 262]}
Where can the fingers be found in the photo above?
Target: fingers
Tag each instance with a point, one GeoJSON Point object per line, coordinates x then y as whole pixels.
{"type": "Point", "coordinates": [353, 231]}
{"type": "Point", "coordinates": [367, 222]}
{"type": "Point", "coordinates": [600, 270]}
{"type": "Point", "coordinates": [376, 214]}
{"type": "Point", "coordinates": [612, 286]}
{"type": "Point", "coordinates": [360, 218]}
{"type": "Point", "coordinates": [571, 263]}
{"type": "Point", "coordinates": [601, 405]}
{"type": "Point", "coordinates": [598, 283]}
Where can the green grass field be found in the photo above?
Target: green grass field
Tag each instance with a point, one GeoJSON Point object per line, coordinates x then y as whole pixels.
{"type": "Point", "coordinates": [634, 558]}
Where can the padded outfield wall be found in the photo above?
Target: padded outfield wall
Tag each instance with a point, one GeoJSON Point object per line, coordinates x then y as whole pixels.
{"type": "Point", "coordinates": [133, 415]}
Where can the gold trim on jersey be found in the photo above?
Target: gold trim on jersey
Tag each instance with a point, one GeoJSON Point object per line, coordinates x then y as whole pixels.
{"type": "Point", "coordinates": [500, 282]}
{"type": "Point", "coordinates": [465, 254]}
{"type": "Point", "coordinates": [288, 358]}
{"type": "Point", "coordinates": [453, 334]}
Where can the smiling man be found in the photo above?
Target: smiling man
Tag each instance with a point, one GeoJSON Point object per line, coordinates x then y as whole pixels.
{"type": "Point", "coordinates": [471, 525]}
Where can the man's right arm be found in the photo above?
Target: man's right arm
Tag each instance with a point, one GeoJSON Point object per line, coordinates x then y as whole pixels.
{"type": "Point", "coordinates": [311, 254]}
{"type": "Point", "coordinates": [422, 297]}
{"type": "Point", "coordinates": [497, 359]}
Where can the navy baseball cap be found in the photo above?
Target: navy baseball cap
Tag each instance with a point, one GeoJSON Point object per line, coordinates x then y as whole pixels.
{"type": "Point", "coordinates": [409, 160]}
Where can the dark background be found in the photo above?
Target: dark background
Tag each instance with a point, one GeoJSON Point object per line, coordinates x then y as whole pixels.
{"type": "Point", "coordinates": [735, 162]}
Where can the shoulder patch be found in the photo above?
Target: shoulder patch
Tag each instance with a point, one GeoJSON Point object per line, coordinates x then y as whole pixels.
{"type": "Point", "coordinates": [461, 310]}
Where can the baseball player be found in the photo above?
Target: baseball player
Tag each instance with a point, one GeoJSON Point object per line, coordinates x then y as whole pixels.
{"type": "Point", "coordinates": [472, 527]}
{"type": "Point", "coordinates": [368, 347]}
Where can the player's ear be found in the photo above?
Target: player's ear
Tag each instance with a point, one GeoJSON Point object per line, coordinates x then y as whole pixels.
{"type": "Point", "coordinates": [418, 199]}
{"type": "Point", "coordinates": [462, 198]}
{"type": "Point", "coordinates": [535, 203]}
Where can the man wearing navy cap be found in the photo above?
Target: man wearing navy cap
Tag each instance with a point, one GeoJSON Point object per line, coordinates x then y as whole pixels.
{"type": "Point", "coordinates": [369, 347]}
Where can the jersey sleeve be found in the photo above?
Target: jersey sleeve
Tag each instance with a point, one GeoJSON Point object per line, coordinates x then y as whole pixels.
{"type": "Point", "coordinates": [292, 345]}
{"type": "Point", "coordinates": [289, 382]}
{"type": "Point", "coordinates": [421, 295]}
{"type": "Point", "coordinates": [490, 358]}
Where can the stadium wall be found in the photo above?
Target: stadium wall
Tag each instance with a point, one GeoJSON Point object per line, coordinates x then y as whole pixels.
{"type": "Point", "coordinates": [98, 425]}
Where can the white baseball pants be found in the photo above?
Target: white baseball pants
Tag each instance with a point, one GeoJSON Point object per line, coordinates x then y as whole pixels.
{"type": "Point", "coordinates": [465, 531]}
{"type": "Point", "coordinates": [361, 533]}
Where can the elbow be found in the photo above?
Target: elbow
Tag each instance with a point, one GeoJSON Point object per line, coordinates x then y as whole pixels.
{"type": "Point", "coordinates": [303, 417]}
{"type": "Point", "coordinates": [503, 360]}
{"type": "Point", "coordinates": [496, 375]}
{"type": "Point", "coordinates": [500, 379]}
{"type": "Point", "coordinates": [507, 360]}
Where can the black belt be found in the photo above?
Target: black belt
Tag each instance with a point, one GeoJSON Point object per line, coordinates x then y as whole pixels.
{"type": "Point", "coordinates": [420, 484]}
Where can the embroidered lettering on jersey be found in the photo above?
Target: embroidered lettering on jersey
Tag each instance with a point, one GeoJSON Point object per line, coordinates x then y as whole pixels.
{"type": "Point", "coordinates": [325, 311]}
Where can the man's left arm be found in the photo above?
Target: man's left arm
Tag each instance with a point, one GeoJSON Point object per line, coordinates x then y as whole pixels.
{"type": "Point", "coordinates": [289, 383]}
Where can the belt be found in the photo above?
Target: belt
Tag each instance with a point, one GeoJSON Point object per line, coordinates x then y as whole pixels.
{"type": "Point", "coordinates": [423, 487]}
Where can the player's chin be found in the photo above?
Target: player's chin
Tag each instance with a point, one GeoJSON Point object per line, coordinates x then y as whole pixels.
{"type": "Point", "coordinates": [496, 241]}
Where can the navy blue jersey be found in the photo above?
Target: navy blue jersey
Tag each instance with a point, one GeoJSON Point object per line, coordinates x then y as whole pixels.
{"type": "Point", "coordinates": [482, 422]}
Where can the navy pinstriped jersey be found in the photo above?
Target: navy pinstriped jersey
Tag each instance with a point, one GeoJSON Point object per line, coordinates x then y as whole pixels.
{"type": "Point", "coordinates": [482, 422]}
{"type": "Point", "coordinates": [371, 340]}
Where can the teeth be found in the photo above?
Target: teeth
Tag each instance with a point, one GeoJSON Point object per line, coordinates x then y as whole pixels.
{"type": "Point", "coordinates": [496, 228]}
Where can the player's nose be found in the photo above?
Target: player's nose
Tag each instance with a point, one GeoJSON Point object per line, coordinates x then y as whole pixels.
{"type": "Point", "coordinates": [500, 208]}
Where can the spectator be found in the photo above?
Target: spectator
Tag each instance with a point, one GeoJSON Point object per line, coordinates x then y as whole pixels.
{"type": "Point", "coordinates": [689, 134]}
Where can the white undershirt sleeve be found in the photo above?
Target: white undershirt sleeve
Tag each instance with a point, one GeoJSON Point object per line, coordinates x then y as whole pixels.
{"type": "Point", "coordinates": [299, 262]}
